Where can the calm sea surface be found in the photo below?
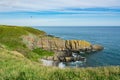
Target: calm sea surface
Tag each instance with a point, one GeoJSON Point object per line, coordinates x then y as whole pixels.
{"type": "Point", "coordinates": [109, 37]}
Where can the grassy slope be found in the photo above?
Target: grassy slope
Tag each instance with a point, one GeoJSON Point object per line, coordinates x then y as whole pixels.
{"type": "Point", "coordinates": [11, 37]}
{"type": "Point", "coordinates": [14, 66]}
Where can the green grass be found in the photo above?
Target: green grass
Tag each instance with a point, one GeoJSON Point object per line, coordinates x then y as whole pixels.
{"type": "Point", "coordinates": [42, 52]}
{"type": "Point", "coordinates": [38, 53]}
{"type": "Point", "coordinates": [15, 67]}
{"type": "Point", "coordinates": [10, 36]}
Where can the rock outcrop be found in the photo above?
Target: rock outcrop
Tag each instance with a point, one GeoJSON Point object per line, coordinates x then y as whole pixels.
{"type": "Point", "coordinates": [64, 49]}
{"type": "Point", "coordinates": [97, 47]}
{"type": "Point", "coordinates": [57, 44]}
{"type": "Point", "coordinates": [27, 39]}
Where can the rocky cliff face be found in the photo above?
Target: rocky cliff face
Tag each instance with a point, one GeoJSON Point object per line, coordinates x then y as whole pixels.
{"type": "Point", "coordinates": [17, 38]}
{"type": "Point", "coordinates": [53, 43]}
{"type": "Point", "coordinates": [64, 49]}
{"type": "Point", "coordinates": [45, 42]}
{"type": "Point", "coordinates": [76, 45]}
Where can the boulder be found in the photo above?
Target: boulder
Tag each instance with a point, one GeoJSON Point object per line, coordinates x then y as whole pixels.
{"type": "Point", "coordinates": [79, 58]}
{"type": "Point", "coordinates": [69, 59]}
{"type": "Point", "coordinates": [97, 47]}
{"type": "Point", "coordinates": [55, 58]}
{"type": "Point", "coordinates": [50, 58]}
{"type": "Point", "coordinates": [55, 63]}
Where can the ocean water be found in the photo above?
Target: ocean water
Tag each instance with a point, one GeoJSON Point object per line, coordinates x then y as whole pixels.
{"type": "Point", "coordinates": [109, 37]}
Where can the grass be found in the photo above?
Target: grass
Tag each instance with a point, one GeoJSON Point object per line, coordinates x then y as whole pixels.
{"type": "Point", "coordinates": [42, 52]}
{"type": "Point", "coordinates": [10, 36]}
{"type": "Point", "coordinates": [15, 67]}
{"type": "Point", "coordinates": [17, 62]}
{"type": "Point", "coordinates": [38, 53]}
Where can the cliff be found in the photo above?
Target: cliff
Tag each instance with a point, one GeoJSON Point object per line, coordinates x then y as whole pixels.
{"type": "Point", "coordinates": [53, 43]}
{"type": "Point", "coordinates": [30, 42]}
{"type": "Point", "coordinates": [57, 44]}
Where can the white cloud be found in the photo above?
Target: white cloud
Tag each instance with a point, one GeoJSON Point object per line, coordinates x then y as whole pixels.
{"type": "Point", "coordinates": [38, 5]}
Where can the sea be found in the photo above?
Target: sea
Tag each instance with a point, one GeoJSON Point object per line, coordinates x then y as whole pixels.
{"type": "Point", "coordinates": [107, 36]}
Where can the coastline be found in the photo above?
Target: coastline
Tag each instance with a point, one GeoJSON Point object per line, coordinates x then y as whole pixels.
{"type": "Point", "coordinates": [19, 62]}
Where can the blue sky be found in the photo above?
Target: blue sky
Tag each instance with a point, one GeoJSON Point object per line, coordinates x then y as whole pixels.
{"type": "Point", "coordinates": [60, 12]}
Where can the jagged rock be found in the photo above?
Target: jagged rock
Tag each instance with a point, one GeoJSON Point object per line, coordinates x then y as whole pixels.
{"type": "Point", "coordinates": [50, 58]}
{"type": "Point", "coordinates": [69, 59]}
{"type": "Point", "coordinates": [76, 45]}
{"type": "Point", "coordinates": [62, 59]}
{"type": "Point", "coordinates": [55, 63]}
{"type": "Point", "coordinates": [59, 45]}
{"type": "Point", "coordinates": [55, 58]}
{"type": "Point", "coordinates": [97, 47]}
{"type": "Point", "coordinates": [79, 58]}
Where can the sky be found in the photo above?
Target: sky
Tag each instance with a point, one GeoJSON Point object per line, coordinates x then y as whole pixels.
{"type": "Point", "coordinates": [60, 12]}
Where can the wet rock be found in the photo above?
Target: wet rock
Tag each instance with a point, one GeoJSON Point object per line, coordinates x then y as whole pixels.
{"type": "Point", "coordinates": [79, 58]}
{"type": "Point", "coordinates": [69, 59]}
{"type": "Point", "coordinates": [62, 59]}
{"type": "Point", "coordinates": [55, 58]}
{"type": "Point", "coordinates": [55, 63]}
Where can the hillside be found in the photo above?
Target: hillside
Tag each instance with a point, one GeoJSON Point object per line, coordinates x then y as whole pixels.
{"type": "Point", "coordinates": [11, 36]}
{"type": "Point", "coordinates": [34, 44]}
{"type": "Point", "coordinates": [14, 66]}
{"type": "Point", "coordinates": [19, 61]}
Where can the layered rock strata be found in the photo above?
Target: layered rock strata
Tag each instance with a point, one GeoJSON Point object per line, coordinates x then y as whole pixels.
{"type": "Point", "coordinates": [53, 43]}
{"type": "Point", "coordinates": [62, 48]}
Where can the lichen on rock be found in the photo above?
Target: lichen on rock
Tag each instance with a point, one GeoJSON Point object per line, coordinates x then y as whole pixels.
{"type": "Point", "coordinates": [62, 48]}
{"type": "Point", "coordinates": [53, 43]}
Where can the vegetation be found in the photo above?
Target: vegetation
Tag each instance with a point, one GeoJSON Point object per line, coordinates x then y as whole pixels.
{"type": "Point", "coordinates": [17, 62]}
{"type": "Point", "coordinates": [10, 36]}
{"type": "Point", "coordinates": [16, 67]}
{"type": "Point", "coordinates": [42, 52]}
{"type": "Point", "coordinates": [38, 53]}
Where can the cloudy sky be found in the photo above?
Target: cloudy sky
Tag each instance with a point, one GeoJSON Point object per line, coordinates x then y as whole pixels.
{"type": "Point", "coordinates": [60, 12]}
